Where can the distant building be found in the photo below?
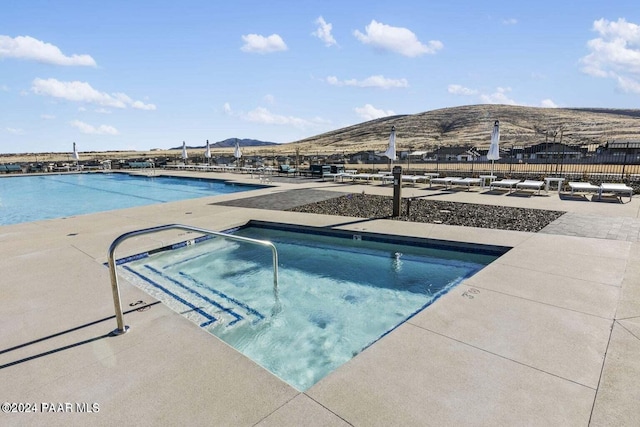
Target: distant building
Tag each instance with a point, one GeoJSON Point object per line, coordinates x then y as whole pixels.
{"type": "Point", "coordinates": [545, 151]}
{"type": "Point", "coordinates": [621, 151]}
{"type": "Point", "coordinates": [455, 154]}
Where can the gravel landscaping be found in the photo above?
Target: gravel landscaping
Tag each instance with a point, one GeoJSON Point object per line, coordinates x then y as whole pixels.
{"type": "Point", "coordinates": [434, 211]}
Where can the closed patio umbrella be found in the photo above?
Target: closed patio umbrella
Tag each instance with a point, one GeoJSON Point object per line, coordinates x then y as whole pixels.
{"type": "Point", "coordinates": [237, 153]}
{"type": "Point", "coordinates": [76, 156]}
{"type": "Point", "coordinates": [494, 149]}
{"type": "Point", "coordinates": [207, 153]}
{"type": "Point", "coordinates": [391, 150]}
{"type": "Point", "coordinates": [185, 156]}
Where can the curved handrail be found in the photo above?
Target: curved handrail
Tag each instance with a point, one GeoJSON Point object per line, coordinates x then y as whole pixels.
{"type": "Point", "coordinates": [122, 328]}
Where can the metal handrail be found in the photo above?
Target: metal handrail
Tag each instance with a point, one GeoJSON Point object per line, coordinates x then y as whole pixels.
{"type": "Point", "coordinates": [122, 328]}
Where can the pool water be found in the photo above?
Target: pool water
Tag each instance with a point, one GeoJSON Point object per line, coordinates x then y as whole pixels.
{"type": "Point", "coordinates": [337, 294]}
{"type": "Point", "coordinates": [34, 198]}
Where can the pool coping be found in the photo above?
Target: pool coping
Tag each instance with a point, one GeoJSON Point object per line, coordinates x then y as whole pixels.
{"type": "Point", "coordinates": [576, 299]}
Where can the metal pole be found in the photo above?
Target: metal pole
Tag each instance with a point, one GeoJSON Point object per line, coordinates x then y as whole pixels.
{"type": "Point", "coordinates": [397, 188]}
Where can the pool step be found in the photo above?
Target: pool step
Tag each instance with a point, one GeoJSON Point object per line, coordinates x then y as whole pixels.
{"type": "Point", "coordinates": [204, 306]}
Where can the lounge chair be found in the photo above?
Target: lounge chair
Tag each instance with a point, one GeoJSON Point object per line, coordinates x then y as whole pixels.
{"type": "Point", "coordinates": [10, 168]}
{"type": "Point", "coordinates": [333, 176]}
{"type": "Point", "coordinates": [508, 183]}
{"type": "Point", "coordinates": [443, 181]}
{"type": "Point", "coordinates": [367, 177]}
{"type": "Point", "coordinates": [530, 185]}
{"type": "Point", "coordinates": [468, 182]}
{"type": "Point", "coordinates": [350, 173]}
{"type": "Point", "coordinates": [287, 170]}
{"type": "Point", "coordinates": [413, 179]}
{"type": "Point", "coordinates": [583, 187]}
{"type": "Point", "coordinates": [615, 189]}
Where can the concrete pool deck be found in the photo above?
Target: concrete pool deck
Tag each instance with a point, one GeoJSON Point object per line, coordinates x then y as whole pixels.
{"type": "Point", "coordinates": [549, 334]}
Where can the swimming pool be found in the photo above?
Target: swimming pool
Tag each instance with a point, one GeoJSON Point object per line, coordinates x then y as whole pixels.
{"type": "Point", "coordinates": [38, 197]}
{"type": "Point", "coordinates": [338, 291]}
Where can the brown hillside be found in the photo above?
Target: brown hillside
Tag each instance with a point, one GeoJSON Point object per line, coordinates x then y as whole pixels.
{"type": "Point", "coordinates": [471, 125]}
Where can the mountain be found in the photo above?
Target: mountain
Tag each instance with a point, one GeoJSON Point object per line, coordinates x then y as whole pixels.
{"type": "Point", "coordinates": [472, 124]}
{"type": "Point", "coordinates": [230, 142]}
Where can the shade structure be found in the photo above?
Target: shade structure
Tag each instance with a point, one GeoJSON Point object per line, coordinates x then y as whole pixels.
{"type": "Point", "coordinates": [76, 156]}
{"type": "Point", "coordinates": [185, 156]}
{"type": "Point", "coordinates": [494, 149]}
{"type": "Point", "coordinates": [207, 152]}
{"type": "Point", "coordinates": [391, 150]}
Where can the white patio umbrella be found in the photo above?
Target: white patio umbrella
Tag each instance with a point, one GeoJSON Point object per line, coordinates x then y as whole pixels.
{"type": "Point", "coordinates": [185, 156]}
{"type": "Point", "coordinates": [76, 156]}
{"type": "Point", "coordinates": [494, 149]}
{"type": "Point", "coordinates": [207, 152]}
{"type": "Point", "coordinates": [391, 150]}
{"type": "Point", "coordinates": [237, 153]}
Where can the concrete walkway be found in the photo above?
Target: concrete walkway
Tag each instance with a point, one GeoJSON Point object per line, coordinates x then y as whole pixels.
{"type": "Point", "coordinates": [589, 225]}
{"type": "Point", "coordinates": [548, 334]}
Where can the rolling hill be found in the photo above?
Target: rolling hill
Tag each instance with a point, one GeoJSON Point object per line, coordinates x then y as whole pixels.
{"type": "Point", "coordinates": [472, 124]}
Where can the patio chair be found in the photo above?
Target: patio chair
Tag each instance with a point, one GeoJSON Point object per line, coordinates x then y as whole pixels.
{"type": "Point", "coordinates": [443, 181]}
{"type": "Point", "coordinates": [530, 185]}
{"type": "Point", "coordinates": [583, 187]}
{"type": "Point", "coordinates": [508, 183]}
{"type": "Point", "coordinates": [287, 170]}
{"type": "Point", "coordinates": [468, 182]}
{"type": "Point", "coordinates": [413, 179]}
{"type": "Point", "coordinates": [615, 189]}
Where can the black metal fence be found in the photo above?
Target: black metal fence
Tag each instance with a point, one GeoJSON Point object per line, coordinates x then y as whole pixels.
{"type": "Point", "coordinates": [595, 168]}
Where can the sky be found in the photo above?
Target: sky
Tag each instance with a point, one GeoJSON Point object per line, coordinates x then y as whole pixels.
{"type": "Point", "coordinates": [140, 75]}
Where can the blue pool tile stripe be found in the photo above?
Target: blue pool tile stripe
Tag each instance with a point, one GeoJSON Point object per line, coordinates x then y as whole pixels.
{"type": "Point", "coordinates": [491, 250]}
{"type": "Point", "coordinates": [225, 296]}
{"type": "Point", "coordinates": [229, 311]}
{"type": "Point", "coordinates": [131, 258]}
{"type": "Point", "coordinates": [210, 318]}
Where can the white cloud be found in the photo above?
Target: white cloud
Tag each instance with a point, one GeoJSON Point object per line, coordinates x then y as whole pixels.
{"type": "Point", "coordinates": [4, 88]}
{"type": "Point", "coordinates": [102, 111]}
{"type": "Point", "coordinates": [47, 116]}
{"type": "Point", "coordinates": [461, 90]}
{"type": "Point", "coordinates": [323, 32]}
{"type": "Point", "coordinates": [255, 43]}
{"type": "Point", "coordinates": [264, 116]}
{"type": "Point", "coordinates": [269, 99]}
{"type": "Point", "coordinates": [25, 47]}
{"type": "Point", "coordinates": [498, 97]}
{"type": "Point", "coordinates": [615, 53]}
{"type": "Point", "coordinates": [369, 112]}
{"type": "Point", "coordinates": [139, 105]}
{"type": "Point", "coordinates": [372, 81]}
{"type": "Point", "coordinates": [83, 92]}
{"type": "Point", "coordinates": [15, 131]}
{"type": "Point", "coordinates": [92, 130]}
{"type": "Point", "coordinates": [510, 21]}
{"type": "Point", "coordinates": [396, 39]}
{"type": "Point", "coordinates": [628, 84]}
